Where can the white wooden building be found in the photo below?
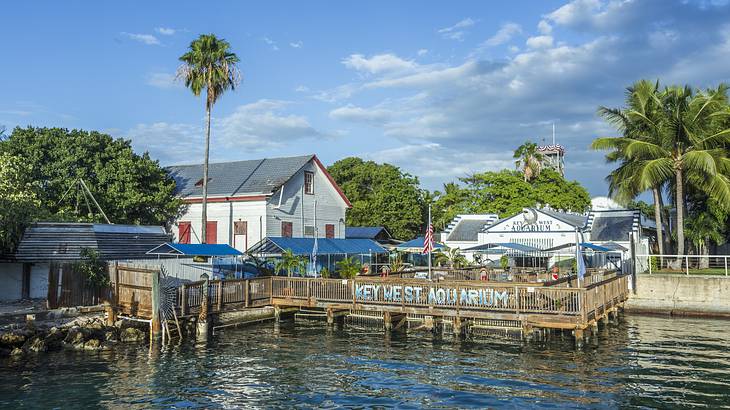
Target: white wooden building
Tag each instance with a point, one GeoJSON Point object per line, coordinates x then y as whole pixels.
{"type": "Point", "coordinates": [253, 199]}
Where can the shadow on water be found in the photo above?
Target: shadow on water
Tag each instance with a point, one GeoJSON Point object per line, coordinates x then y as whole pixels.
{"type": "Point", "coordinates": [639, 362]}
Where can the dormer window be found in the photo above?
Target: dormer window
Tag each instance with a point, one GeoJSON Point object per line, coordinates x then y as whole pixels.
{"type": "Point", "coordinates": [308, 182]}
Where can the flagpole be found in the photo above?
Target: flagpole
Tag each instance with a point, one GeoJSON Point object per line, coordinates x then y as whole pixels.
{"type": "Point", "coordinates": [429, 247]}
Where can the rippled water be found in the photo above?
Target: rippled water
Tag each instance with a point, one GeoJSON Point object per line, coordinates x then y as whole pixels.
{"type": "Point", "coordinates": [641, 362]}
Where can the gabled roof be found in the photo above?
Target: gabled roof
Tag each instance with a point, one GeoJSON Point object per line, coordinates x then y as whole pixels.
{"type": "Point", "coordinates": [366, 232]}
{"type": "Point", "coordinates": [52, 241]}
{"type": "Point", "coordinates": [417, 244]}
{"type": "Point", "coordinates": [613, 226]}
{"type": "Point", "coordinates": [467, 230]}
{"type": "Point", "coordinates": [501, 247]}
{"type": "Point", "coordinates": [194, 249]}
{"type": "Point", "coordinates": [576, 221]}
{"type": "Point", "coordinates": [238, 178]}
{"type": "Point", "coordinates": [275, 245]}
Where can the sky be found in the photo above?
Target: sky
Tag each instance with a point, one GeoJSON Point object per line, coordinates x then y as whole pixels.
{"type": "Point", "coordinates": [440, 89]}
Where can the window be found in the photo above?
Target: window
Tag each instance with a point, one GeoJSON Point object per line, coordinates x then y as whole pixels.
{"type": "Point", "coordinates": [308, 182]}
{"type": "Point", "coordinates": [309, 230]}
{"type": "Point", "coordinates": [329, 231]}
{"type": "Point", "coordinates": [183, 232]}
{"type": "Point", "coordinates": [211, 232]}
{"type": "Point", "coordinates": [286, 229]}
{"type": "Point", "coordinates": [240, 235]}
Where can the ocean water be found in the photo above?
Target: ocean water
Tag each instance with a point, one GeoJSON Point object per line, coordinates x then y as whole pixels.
{"type": "Point", "coordinates": [640, 362]}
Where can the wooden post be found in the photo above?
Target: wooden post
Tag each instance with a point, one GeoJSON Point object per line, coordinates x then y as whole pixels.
{"type": "Point", "coordinates": [155, 325]}
{"type": "Point", "coordinates": [115, 268]}
{"type": "Point", "coordinates": [203, 316]}
{"type": "Point", "coordinates": [184, 300]}
{"type": "Point", "coordinates": [578, 337]}
{"type": "Point", "coordinates": [111, 315]}
{"type": "Point", "coordinates": [330, 315]}
{"type": "Point", "coordinates": [246, 294]}
{"type": "Point", "coordinates": [220, 295]}
{"type": "Point", "coordinates": [387, 321]}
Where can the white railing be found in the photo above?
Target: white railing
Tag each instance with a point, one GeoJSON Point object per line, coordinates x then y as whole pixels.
{"type": "Point", "coordinates": [688, 264]}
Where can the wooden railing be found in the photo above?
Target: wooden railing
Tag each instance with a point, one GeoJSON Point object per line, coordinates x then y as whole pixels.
{"type": "Point", "coordinates": [605, 291]}
{"type": "Point", "coordinates": [222, 294]}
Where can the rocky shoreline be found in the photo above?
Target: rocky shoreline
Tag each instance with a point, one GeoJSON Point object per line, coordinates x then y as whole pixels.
{"type": "Point", "coordinates": [82, 333]}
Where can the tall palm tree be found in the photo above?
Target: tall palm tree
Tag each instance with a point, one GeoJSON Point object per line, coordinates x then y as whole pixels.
{"type": "Point", "coordinates": [685, 144]}
{"type": "Point", "coordinates": [209, 65]}
{"type": "Point", "coordinates": [529, 160]}
{"type": "Point", "coordinates": [639, 120]}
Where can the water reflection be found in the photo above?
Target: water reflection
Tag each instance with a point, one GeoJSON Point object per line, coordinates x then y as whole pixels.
{"type": "Point", "coordinates": [639, 362]}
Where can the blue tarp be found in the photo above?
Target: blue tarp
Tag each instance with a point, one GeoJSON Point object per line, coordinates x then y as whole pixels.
{"type": "Point", "coordinates": [325, 246]}
{"type": "Point", "coordinates": [194, 249]}
{"type": "Point", "coordinates": [417, 243]}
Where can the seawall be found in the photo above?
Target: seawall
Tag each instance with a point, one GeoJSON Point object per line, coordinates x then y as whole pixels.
{"type": "Point", "coordinates": [683, 295]}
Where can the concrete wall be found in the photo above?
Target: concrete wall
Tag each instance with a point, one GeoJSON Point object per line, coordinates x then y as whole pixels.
{"type": "Point", "coordinates": [681, 295]}
{"type": "Point", "coordinates": [39, 280]}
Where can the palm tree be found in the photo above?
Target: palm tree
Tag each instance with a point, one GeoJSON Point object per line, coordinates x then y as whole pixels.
{"type": "Point", "coordinates": [529, 160]}
{"type": "Point", "coordinates": [209, 64]}
{"type": "Point", "coordinates": [451, 257]}
{"type": "Point", "coordinates": [683, 143]}
{"type": "Point", "coordinates": [348, 268]}
{"type": "Point", "coordinates": [637, 121]}
{"type": "Point", "coordinates": [289, 262]}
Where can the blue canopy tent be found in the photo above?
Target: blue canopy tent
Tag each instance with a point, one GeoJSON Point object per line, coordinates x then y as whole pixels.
{"type": "Point", "coordinates": [219, 260]}
{"type": "Point", "coordinates": [327, 253]}
{"type": "Point", "coordinates": [414, 250]}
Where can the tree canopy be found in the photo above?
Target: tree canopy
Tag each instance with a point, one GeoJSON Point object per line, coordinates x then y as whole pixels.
{"type": "Point", "coordinates": [506, 193]}
{"type": "Point", "coordinates": [129, 187]}
{"type": "Point", "coordinates": [18, 200]}
{"type": "Point", "coordinates": [381, 195]}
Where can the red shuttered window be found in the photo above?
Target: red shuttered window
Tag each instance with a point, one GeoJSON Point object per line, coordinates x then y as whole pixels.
{"type": "Point", "coordinates": [183, 232]}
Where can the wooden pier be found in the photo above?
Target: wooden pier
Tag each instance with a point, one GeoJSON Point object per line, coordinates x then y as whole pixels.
{"type": "Point", "coordinates": [527, 307]}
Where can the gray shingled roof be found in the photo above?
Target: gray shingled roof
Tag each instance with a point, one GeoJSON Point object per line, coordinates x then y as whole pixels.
{"type": "Point", "coordinates": [260, 176]}
{"type": "Point", "coordinates": [577, 221]}
{"type": "Point", "coordinates": [467, 230]}
{"type": "Point", "coordinates": [611, 228]}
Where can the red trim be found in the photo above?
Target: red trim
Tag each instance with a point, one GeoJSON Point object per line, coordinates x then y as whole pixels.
{"type": "Point", "coordinates": [332, 180]}
{"type": "Point", "coordinates": [227, 199]}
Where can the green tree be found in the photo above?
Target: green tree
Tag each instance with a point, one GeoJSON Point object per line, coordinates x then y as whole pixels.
{"type": "Point", "coordinates": [449, 203]}
{"type": "Point", "coordinates": [685, 144]}
{"type": "Point", "coordinates": [529, 160]}
{"type": "Point", "coordinates": [290, 262]}
{"type": "Point", "coordinates": [451, 257]}
{"type": "Point", "coordinates": [348, 268]}
{"type": "Point", "coordinates": [130, 188]}
{"type": "Point", "coordinates": [18, 200]}
{"type": "Point", "coordinates": [381, 195]}
{"type": "Point", "coordinates": [209, 65]}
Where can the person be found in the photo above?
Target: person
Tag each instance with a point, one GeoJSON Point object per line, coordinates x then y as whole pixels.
{"type": "Point", "coordinates": [555, 271]}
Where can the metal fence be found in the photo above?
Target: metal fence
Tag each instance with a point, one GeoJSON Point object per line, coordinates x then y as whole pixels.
{"type": "Point", "coordinates": [687, 264]}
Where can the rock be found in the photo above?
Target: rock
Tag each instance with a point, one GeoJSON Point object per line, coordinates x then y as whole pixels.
{"type": "Point", "coordinates": [131, 334]}
{"type": "Point", "coordinates": [94, 325]}
{"type": "Point", "coordinates": [75, 336]}
{"type": "Point", "coordinates": [54, 338]}
{"type": "Point", "coordinates": [92, 344]}
{"type": "Point", "coordinates": [111, 336]}
{"type": "Point", "coordinates": [17, 352]}
{"type": "Point", "coordinates": [36, 345]}
{"type": "Point", "coordinates": [13, 339]}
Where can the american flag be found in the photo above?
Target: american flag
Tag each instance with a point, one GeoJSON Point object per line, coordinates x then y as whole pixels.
{"type": "Point", "coordinates": [428, 240]}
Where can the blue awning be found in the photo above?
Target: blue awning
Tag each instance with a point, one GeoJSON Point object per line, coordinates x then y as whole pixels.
{"type": "Point", "coordinates": [274, 245]}
{"type": "Point", "coordinates": [417, 244]}
{"type": "Point", "coordinates": [194, 249]}
{"type": "Point", "coordinates": [501, 246]}
{"type": "Point", "coordinates": [591, 246]}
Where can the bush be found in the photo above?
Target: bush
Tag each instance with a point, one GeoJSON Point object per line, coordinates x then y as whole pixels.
{"type": "Point", "coordinates": [348, 268]}
{"type": "Point", "coordinates": [93, 268]}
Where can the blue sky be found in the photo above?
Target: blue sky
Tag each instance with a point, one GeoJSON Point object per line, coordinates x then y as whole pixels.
{"type": "Point", "coordinates": [441, 89]}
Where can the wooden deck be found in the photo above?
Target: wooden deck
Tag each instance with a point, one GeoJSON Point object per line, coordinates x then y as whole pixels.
{"type": "Point", "coordinates": [556, 304]}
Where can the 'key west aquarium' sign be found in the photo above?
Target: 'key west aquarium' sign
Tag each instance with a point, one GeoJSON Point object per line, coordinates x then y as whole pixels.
{"type": "Point", "coordinates": [432, 295]}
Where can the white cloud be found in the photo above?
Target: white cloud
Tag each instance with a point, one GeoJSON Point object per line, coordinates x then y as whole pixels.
{"type": "Point", "coordinates": [359, 114]}
{"type": "Point", "coordinates": [301, 89]}
{"type": "Point", "coordinates": [253, 127]}
{"type": "Point", "coordinates": [422, 52]}
{"type": "Point", "coordinates": [504, 34]}
{"type": "Point", "coordinates": [378, 63]}
{"type": "Point", "coordinates": [539, 42]}
{"type": "Point", "coordinates": [457, 32]}
{"type": "Point", "coordinates": [163, 80]}
{"type": "Point", "coordinates": [147, 39]}
{"type": "Point", "coordinates": [297, 44]}
{"type": "Point", "coordinates": [166, 31]}
{"type": "Point", "coordinates": [544, 27]}
{"type": "Point", "coordinates": [271, 43]}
